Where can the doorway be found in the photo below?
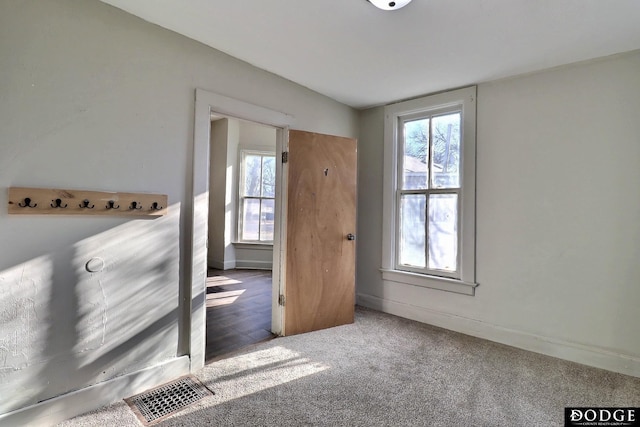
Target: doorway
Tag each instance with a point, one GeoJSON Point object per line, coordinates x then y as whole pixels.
{"type": "Point", "coordinates": [241, 219]}
{"type": "Point", "coordinates": [331, 235]}
{"type": "Point", "coordinates": [193, 294]}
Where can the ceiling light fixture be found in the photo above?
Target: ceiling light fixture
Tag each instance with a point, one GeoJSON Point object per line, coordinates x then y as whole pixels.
{"type": "Point", "coordinates": [389, 5]}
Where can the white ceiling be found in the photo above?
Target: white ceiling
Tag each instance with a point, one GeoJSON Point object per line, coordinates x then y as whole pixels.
{"type": "Point", "coordinates": [362, 56]}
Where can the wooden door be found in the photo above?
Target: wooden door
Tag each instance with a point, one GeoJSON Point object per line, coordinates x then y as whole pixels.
{"type": "Point", "coordinates": [321, 224]}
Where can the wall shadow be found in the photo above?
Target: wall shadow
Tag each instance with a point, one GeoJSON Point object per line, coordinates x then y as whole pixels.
{"type": "Point", "coordinates": [64, 328]}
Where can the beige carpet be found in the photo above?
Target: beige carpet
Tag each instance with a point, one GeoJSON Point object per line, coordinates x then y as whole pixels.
{"type": "Point", "coordinates": [388, 371]}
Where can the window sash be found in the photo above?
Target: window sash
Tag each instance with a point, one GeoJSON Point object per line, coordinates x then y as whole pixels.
{"type": "Point", "coordinates": [243, 172]}
{"type": "Point", "coordinates": [398, 230]}
{"type": "Point", "coordinates": [242, 197]}
{"type": "Point", "coordinates": [241, 237]}
{"type": "Point", "coordinates": [430, 190]}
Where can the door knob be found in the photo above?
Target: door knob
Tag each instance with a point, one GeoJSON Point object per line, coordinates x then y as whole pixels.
{"type": "Point", "coordinates": [351, 236]}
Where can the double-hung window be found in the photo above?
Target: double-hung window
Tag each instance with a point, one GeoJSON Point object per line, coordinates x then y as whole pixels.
{"type": "Point", "coordinates": [257, 190]}
{"type": "Point", "coordinates": [429, 216]}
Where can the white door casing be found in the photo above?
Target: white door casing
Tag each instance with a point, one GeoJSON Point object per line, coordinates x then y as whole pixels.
{"type": "Point", "coordinates": [194, 289]}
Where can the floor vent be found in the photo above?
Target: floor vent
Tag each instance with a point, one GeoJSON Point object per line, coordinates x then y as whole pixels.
{"type": "Point", "coordinates": [159, 403]}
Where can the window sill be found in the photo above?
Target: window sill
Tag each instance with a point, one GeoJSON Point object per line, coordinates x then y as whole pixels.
{"type": "Point", "coordinates": [255, 246]}
{"type": "Point", "coordinates": [432, 282]}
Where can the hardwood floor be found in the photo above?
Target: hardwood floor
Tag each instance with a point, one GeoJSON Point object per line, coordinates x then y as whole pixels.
{"type": "Point", "coordinates": [238, 310]}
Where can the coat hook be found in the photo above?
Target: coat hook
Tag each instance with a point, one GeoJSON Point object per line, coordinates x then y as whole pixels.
{"type": "Point", "coordinates": [27, 203]}
{"type": "Point", "coordinates": [85, 204]}
{"type": "Point", "coordinates": [58, 204]}
{"type": "Point", "coordinates": [135, 206]}
{"type": "Point", "coordinates": [111, 204]}
{"type": "Point", "coordinates": [155, 207]}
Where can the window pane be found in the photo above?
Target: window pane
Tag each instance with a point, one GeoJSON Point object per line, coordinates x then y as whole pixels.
{"type": "Point", "coordinates": [445, 158]}
{"type": "Point", "coordinates": [252, 165]}
{"type": "Point", "coordinates": [415, 174]}
{"type": "Point", "coordinates": [266, 220]}
{"type": "Point", "coordinates": [250, 219]}
{"type": "Point", "coordinates": [443, 231]}
{"type": "Point", "coordinates": [268, 176]}
{"type": "Point", "coordinates": [412, 230]}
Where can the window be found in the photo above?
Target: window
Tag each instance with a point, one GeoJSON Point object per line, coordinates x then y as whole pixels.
{"type": "Point", "coordinates": [429, 216]}
{"type": "Point", "coordinates": [257, 189]}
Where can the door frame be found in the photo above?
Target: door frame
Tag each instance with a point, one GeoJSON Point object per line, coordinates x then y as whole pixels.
{"type": "Point", "coordinates": [194, 295]}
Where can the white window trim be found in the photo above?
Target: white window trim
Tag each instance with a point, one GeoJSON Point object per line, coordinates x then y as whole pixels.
{"type": "Point", "coordinates": [242, 151]}
{"type": "Point", "coordinates": [466, 99]}
{"type": "Point", "coordinates": [253, 246]}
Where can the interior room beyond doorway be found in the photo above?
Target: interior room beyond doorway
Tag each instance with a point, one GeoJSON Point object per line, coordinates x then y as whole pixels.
{"type": "Point", "coordinates": [241, 233]}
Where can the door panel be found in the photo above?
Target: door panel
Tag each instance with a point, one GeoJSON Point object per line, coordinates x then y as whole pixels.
{"type": "Point", "coordinates": [321, 213]}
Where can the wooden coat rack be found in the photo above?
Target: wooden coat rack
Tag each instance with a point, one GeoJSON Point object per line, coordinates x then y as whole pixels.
{"type": "Point", "coordinates": [49, 201]}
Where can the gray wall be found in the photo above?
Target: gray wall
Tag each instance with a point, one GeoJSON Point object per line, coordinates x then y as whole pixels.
{"type": "Point", "coordinates": [222, 209]}
{"type": "Point", "coordinates": [93, 98]}
{"type": "Point", "coordinates": [557, 217]}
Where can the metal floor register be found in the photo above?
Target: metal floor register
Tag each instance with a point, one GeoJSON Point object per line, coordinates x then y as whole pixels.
{"type": "Point", "coordinates": [161, 402]}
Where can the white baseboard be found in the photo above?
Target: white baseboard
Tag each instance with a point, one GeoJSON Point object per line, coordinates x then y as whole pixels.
{"type": "Point", "coordinates": [587, 355]}
{"type": "Point", "coordinates": [221, 265]}
{"type": "Point", "coordinates": [53, 411]}
{"type": "Point", "coordinates": [254, 265]}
